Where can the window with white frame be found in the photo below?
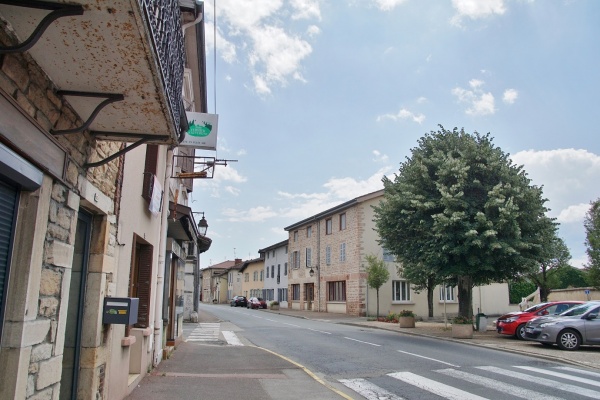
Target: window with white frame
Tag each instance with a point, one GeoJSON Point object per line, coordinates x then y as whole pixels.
{"type": "Point", "coordinates": [342, 221]}
{"type": "Point", "coordinates": [296, 292]}
{"type": "Point", "coordinates": [267, 274]}
{"type": "Point", "coordinates": [261, 274]}
{"type": "Point", "coordinates": [285, 269]}
{"type": "Point", "coordinates": [336, 291]}
{"type": "Point", "coordinates": [400, 291]}
{"type": "Point", "coordinates": [447, 293]}
{"type": "Point", "coordinates": [308, 257]}
{"type": "Point", "coordinates": [387, 256]}
{"type": "Point", "coordinates": [255, 276]}
{"type": "Point", "coordinates": [282, 294]}
{"type": "Point", "coordinates": [342, 252]}
{"type": "Point", "coordinates": [246, 277]}
{"type": "Point", "coordinates": [328, 255]}
{"type": "Point", "coordinates": [273, 271]}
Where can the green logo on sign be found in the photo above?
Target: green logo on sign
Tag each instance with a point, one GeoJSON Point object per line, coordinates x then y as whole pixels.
{"type": "Point", "coordinates": [199, 130]}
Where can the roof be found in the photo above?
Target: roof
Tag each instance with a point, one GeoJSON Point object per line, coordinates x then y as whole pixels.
{"type": "Point", "coordinates": [274, 246]}
{"type": "Point", "coordinates": [336, 209]}
{"type": "Point", "coordinates": [247, 263]}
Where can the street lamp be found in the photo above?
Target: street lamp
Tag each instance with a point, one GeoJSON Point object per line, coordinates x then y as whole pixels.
{"type": "Point", "coordinates": [312, 272]}
{"type": "Point", "coordinates": [202, 225]}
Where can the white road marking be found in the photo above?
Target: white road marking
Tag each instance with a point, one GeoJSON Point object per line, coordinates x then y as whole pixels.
{"type": "Point", "coordinates": [531, 379]}
{"type": "Point", "coordinates": [369, 390]}
{"type": "Point", "coordinates": [427, 358]}
{"type": "Point", "coordinates": [205, 332]}
{"type": "Point", "coordinates": [434, 387]}
{"type": "Point", "coordinates": [316, 330]}
{"type": "Point", "coordinates": [295, 326]}
{"type": "Point", "coordinates": [502, 387]}
{"type": "Point", "coordinates": [360, 341]}
{"type": "Point", "coordinates": [563, 376]}
{"type": "Point", "coordinates": [580, 371]}
{"type": "Point", "coordinates": [232, 338]}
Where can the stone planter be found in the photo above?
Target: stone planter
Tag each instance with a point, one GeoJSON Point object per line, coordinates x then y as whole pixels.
{"type": "Point", "coordinates": [462, 331]}
{"type": "Point", "coordinates": [406, 322]}
{"type": "Point", "coordinates": [275, 307]}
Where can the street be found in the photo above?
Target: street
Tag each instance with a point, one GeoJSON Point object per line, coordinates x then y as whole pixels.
{"type": "Point", "coordinates": [382, 364]}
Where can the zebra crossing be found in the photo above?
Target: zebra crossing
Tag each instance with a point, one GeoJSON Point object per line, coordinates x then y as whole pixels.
{"type": "Point", "coordinates": [482, 382]}
{"type": "Point", "coordinates": [205, 332]}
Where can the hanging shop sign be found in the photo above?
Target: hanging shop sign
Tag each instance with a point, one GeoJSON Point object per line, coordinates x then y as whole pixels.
{"type": "Point", "coordinates": [203, 131]}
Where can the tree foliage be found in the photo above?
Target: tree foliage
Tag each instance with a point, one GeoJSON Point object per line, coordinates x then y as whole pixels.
{"type": "Point", "coordinates": [555, 255]}
{"type": "Point", "coordinates": [592, 243]}
{"type": "Point", "coordinates": [519, 289]}
{"type": "Point", "coordinates": [377, 274]}
{"type": "Point", "coordinates": [459, 208]}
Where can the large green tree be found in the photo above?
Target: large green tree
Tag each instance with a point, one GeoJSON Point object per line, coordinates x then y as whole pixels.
{"type": "Point", "coordinates": [377, 274]}
{"type": "Point", "coordinates": [462, 209]}
{"type": "Point", "coordinates": [554, 256]}
{"type": "Point", "coordinates": [592, 243]}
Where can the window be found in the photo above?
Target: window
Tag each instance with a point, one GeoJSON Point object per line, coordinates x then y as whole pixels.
{"type": "Point", "coordinates": [267, 255]}
{"type": "Point", "coordinates": [295, 236]}
{"type": "Point", "coordinates": [447, 293]}
{"type": "Point", "coordinates": [273, 271]}
{"type": "Point", "coordinates": [286, 249]}
{"type": "Point", "coordinates": [343, 252]}
{"type": "Point", "coordinates": [282, 295]}
{"type": "Point", "coordinates": [308, 231]}
{"type": "Point", "coordinates": [328, 255]}
{"type": "Point", "coordinates": [336, 291]}
{"type": "Point", "coordinates": [296, 292]}
{"type": "Point", "coordinates": [261, 274]}
{"type": "Point", "coordinates": [247, 277]}
{"type": "Point", "coordinates": [273, 252]}
{"type": "Point", "coordinates": [285, 269]}
{"type": "Point", "coordinates": [150, 169]}
{"type": "Point", "coordinates": [328, 226]}
{"type": "Point", "coordinates": [387, 256]}
{"type": "Point", "coordinates": [296, 259]}
{"type": "Point", "coordinates": [140, 287]}
{"type": "Point", "coordinates": [308, 257]}
{"type": "Point", "coordinates": [267, 274]}
{"type": "Point", "coordinates": [342, 221]}
{"type": "Point", "coordinates": [400, 291]}
{"type": "Point", "coordinates": [255, 277]}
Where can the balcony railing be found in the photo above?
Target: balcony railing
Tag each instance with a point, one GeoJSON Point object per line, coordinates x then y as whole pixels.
{"type": "Point", "coordinates": [164, 18]}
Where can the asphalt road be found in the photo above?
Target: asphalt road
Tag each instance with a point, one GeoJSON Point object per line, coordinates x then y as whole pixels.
{"type": "Point", "coordinates": [383, 364]}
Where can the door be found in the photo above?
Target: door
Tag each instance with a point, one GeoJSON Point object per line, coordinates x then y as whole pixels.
{"type": "Point", "coordinates": [72, 350]}
{"type": "Point", "coordinates": [309, 292]}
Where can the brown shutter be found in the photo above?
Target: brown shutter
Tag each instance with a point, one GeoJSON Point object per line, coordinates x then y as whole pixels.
{"type": "Point", "coordinates": [144, 279]}
{"type": "Point", "coordinates": [150, 171]}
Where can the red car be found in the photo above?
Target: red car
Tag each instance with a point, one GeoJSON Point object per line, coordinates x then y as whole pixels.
{"type": "Point", "coordinates": [256, 302]}
{"type": "Point", "coordinates": [514, 323]}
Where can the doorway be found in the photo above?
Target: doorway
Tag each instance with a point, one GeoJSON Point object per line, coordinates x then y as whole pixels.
{"type": "Point", "coordinates": [309, 294]}
{"type": "Point", "coordinates": [79, 269]}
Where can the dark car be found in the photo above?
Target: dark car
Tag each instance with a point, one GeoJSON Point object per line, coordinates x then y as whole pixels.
{"type": "Point", "coordinates": [239, 301]}
{"type": "Point", "coordinates": [257, 302]}
{"type": "Point", "coordinates": [514, 323]}
{"type": "Point", "coordinates": [575, 327]}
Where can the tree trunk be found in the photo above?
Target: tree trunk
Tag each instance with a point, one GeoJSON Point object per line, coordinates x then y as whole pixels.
{"type": "Point", "coordinates": [465, 296]}
{"type": "Point", "coordinates": [377, 303]}
{"type": "Point", "coordinates": [430, 287]}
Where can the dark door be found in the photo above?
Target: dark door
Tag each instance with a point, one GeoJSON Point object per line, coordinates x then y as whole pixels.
{"type": "Point", "coordinates": [72, 351]}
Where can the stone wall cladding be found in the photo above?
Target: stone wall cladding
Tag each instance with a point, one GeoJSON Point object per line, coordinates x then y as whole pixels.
{"type": "Point", "coordinates": [27, 84]}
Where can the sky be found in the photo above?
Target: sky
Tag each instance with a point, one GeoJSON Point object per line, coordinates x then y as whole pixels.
{"type": "Point", "coordinates": [319, 99]}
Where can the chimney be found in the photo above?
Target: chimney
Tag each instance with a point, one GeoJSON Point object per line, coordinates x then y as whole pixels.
{"type": "Point", "coordinates": [237, 261]}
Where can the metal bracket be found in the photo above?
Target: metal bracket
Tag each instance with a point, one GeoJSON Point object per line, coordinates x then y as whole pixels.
{"type": "Point", "coordinates": [206, 168]}
{"type": "Point", "coordinates": [110, 98]}
{"type": "Point", "coordinates": [58, 10]}
{"type": "Point", "coordinates": [143, 139]}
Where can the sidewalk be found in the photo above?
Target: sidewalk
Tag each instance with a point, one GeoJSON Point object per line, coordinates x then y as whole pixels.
{"type": "Point", "coordinates": [218, 371]}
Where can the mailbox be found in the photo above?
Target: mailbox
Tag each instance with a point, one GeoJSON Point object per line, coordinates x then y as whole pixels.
{"type": "Point", "coordinates": [120, 310]}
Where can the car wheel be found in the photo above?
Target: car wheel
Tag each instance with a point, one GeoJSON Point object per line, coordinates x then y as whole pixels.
{"type": "Point", "coordinates": [520, 332]}
{"type": "Point", "coordinates": [568, 340]}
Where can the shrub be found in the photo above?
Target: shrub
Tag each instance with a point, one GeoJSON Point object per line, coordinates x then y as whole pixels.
{"type": "Point", "coordinates": [462, 320]}
{"type": "Point", "coordinates": [275, 303]}
{"type": "Point", "coordinates": [406, 313]}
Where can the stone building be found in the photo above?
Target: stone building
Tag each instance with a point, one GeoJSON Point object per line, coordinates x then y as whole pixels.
{"type": "Point", "coordinates": [100, 81]}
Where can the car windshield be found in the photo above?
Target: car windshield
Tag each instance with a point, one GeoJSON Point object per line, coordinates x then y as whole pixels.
{"type": "Point", "coordinates": [535, 308]}
{"type": "Point", "coordinates": [579, 310]}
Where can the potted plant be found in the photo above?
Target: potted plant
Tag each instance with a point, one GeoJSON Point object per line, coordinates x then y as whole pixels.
{"type": "Point", "coordinates": [462, 327]}
{"type": "Point", "coordinates": [406, 318]}
{"type": "Point", "coordinates": [274, 305]}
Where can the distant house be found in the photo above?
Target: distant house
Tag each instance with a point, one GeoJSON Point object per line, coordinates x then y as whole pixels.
{"type": "Point", "coordinates": [214, 281]}
{"type": "Point", "coordinates": [276, 272]}
{"type": "Point", "coordinates": [327, 269]}
{"type": "Point", "coordinates": [253, 276]}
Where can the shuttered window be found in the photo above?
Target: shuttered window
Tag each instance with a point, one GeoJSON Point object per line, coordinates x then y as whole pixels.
{"type": "Point", "coordinates": [8, 203]}
{"type": "Point", "coordinates": [141, 282]}
{"type": "Point", "coordinates": [150, 167]}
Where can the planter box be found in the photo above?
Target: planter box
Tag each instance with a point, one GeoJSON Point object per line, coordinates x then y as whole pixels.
{"type": "Point", "coordinates": [275, 307]}
{"type": "Point", "coordinates": [406, 322]}
{"type": "Point", "coordinates": [462, 331]}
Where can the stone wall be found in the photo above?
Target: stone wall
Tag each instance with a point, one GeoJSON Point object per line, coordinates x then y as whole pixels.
{"type": "Point", "coordinates": [23, 80]}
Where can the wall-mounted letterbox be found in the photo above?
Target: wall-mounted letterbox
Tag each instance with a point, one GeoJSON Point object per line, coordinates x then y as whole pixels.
{"type": "Point", "coordinates": [120, 310]}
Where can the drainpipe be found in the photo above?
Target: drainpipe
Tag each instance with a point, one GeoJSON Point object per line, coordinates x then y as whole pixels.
{"type": "Point", "coordinates": [162, 263]}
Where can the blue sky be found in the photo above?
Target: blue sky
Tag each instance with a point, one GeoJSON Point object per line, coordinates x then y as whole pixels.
{"type": "Point", "coordinates": [317, 100]}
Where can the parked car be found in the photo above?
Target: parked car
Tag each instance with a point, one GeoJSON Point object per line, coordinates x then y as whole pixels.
{"type": "Point", "coordinates": [577, 326]}
{"type": "Point", "coordinates": [240, 301]}
{"type": "Point", "coordinates": [514, 323]}
{"type": "Point", "coordinates": [257, 302]}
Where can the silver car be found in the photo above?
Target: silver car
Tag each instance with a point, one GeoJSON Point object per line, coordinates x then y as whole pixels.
{"type": "Point", "coordinates": [577, 326]}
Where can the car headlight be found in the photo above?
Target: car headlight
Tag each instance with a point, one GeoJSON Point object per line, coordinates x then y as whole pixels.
{"type": "Point", "coordinates": [545, 324]}
{"type": "Point", "coordinates": [509, 320]}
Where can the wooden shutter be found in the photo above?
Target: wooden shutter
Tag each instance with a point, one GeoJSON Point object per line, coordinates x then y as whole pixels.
{"type": "Point", "coordinates": [144, 279]}
{"type": "Point", "coordinates": [150, 171]}
{"type": "Point", "coordinates": [8, 204]}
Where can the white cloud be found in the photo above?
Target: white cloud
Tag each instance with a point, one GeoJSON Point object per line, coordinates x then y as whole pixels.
{"type": "Point", "coordinates": [479, 102]}
{"type": "Point", "coordinates": [570, 179]}
{"type": "Point", "coordinates": [380, 158]}
{"type": "Point", "coordinates": [256, 214]}
{"type": "Point", "coordinates": [306, 9]}
{"type": "Point", "coordinates": [476, 9]}
{"type": "Point", "coordinates": [510, 96]}
{"type": "Point", "coordinates": [387, 5]}
{"type": "Point", "coordinates": [274, 53]}
{"type": "Point", "coordinates": [403, 114]}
